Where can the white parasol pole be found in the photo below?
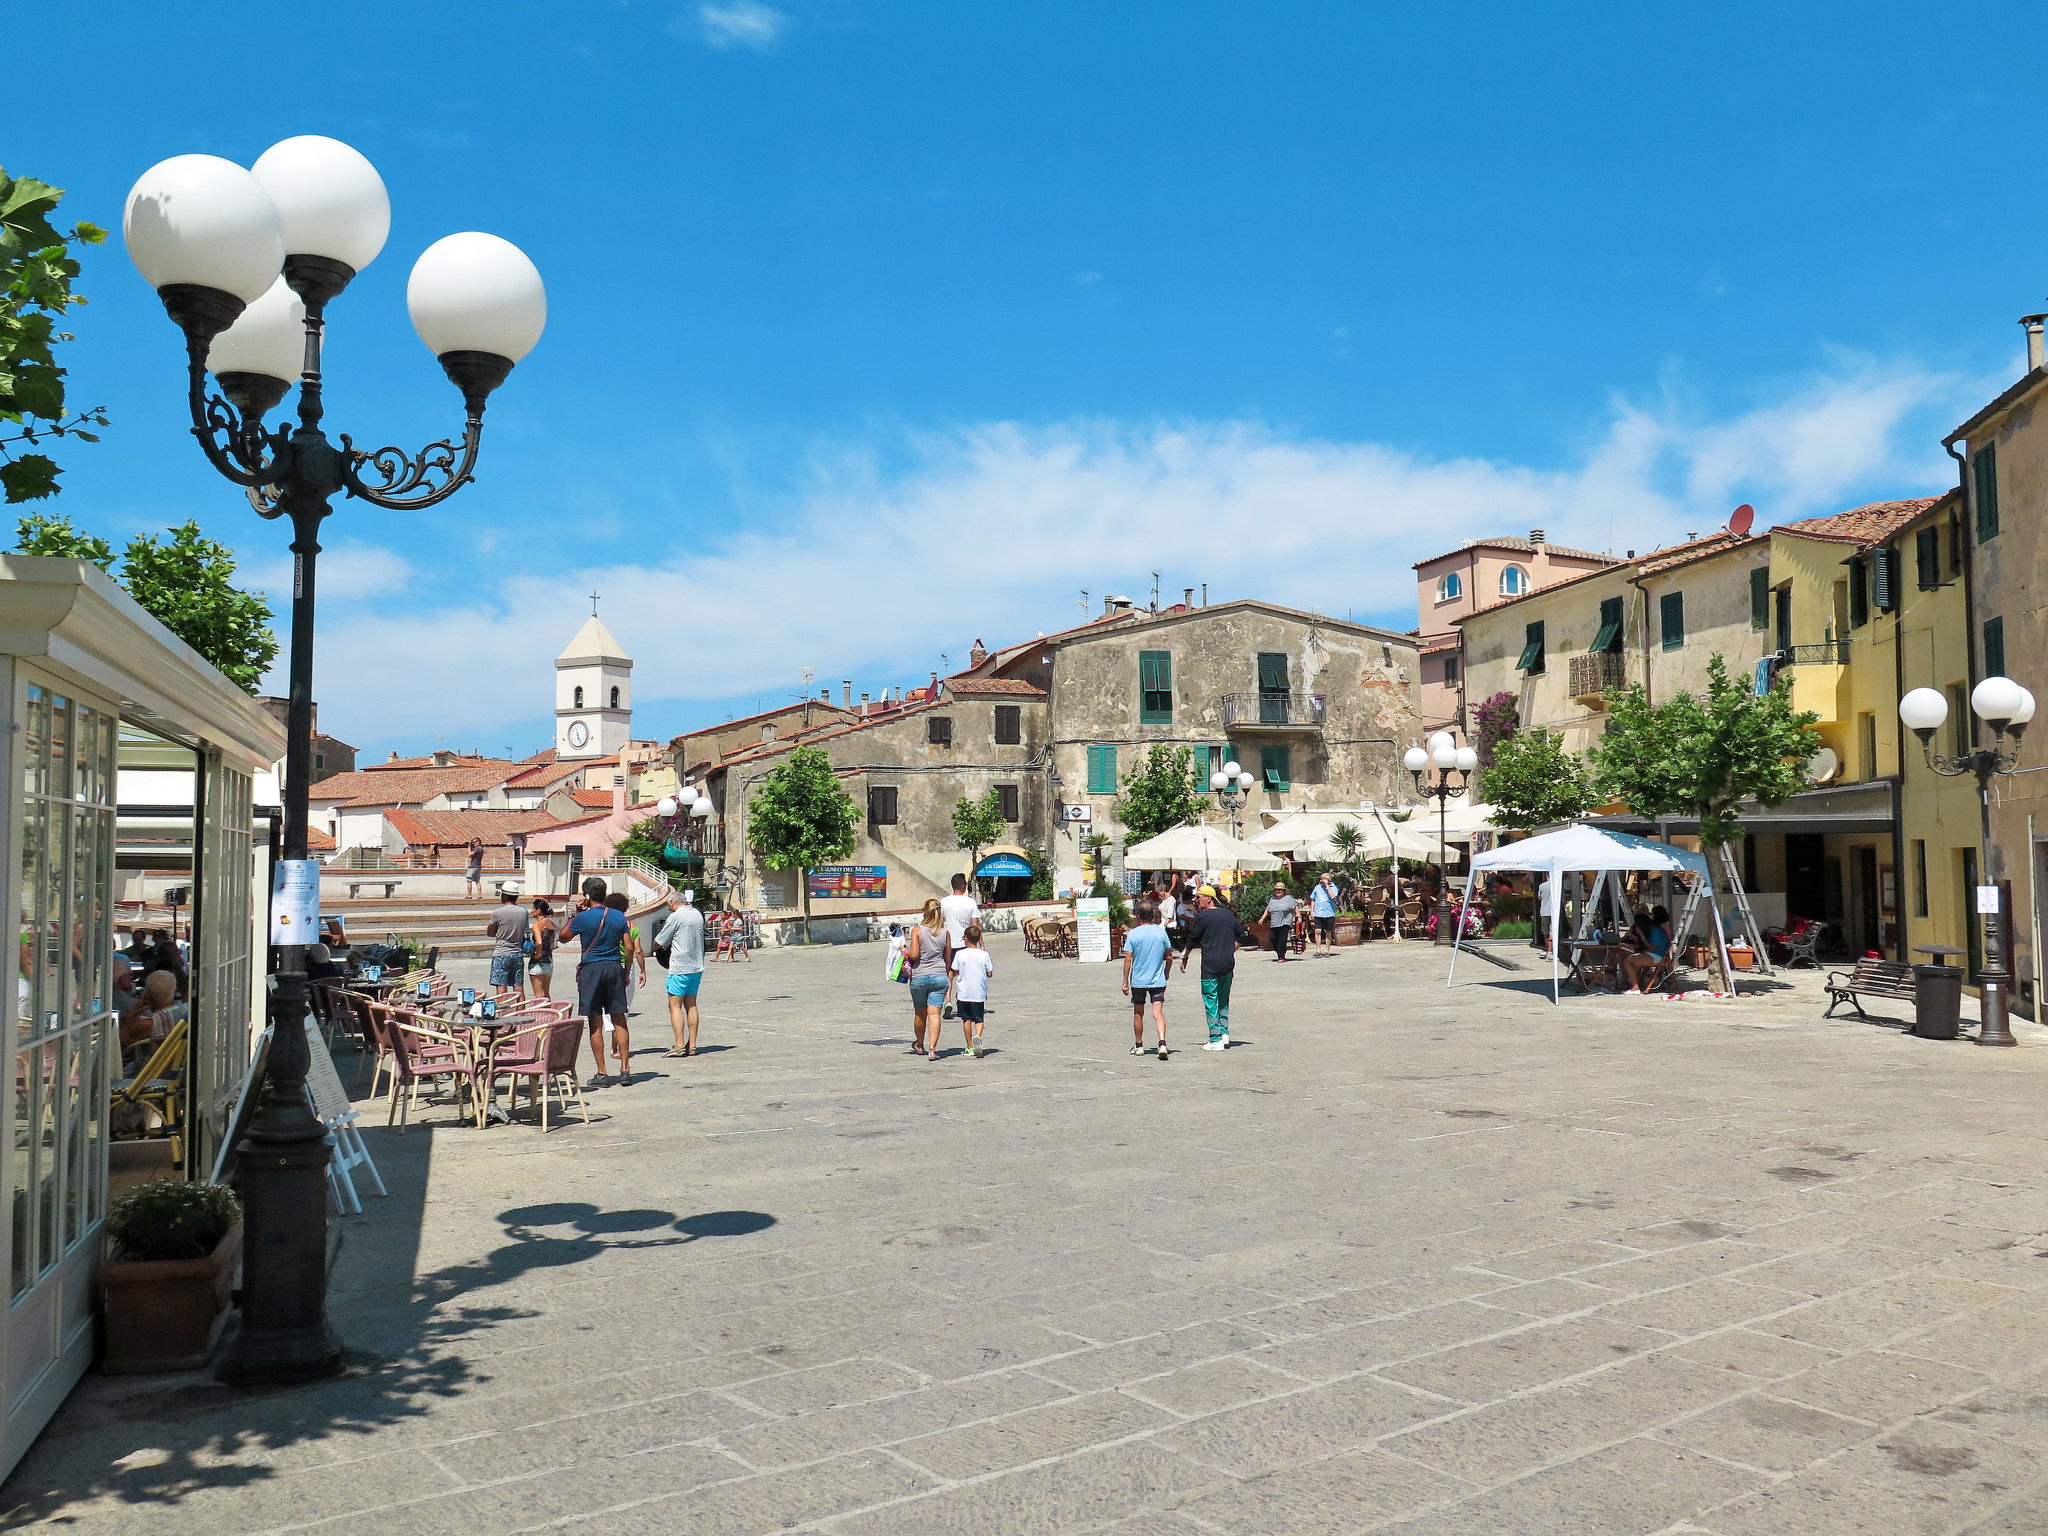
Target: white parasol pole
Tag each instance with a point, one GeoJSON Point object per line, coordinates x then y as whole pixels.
{"type": "Point", "coordinates": [1459, 937]}
{"type": "Point", "coordinates": [1557, 901]}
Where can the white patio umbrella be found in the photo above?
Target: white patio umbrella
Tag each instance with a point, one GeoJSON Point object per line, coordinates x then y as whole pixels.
{"type": "Point", "coordinates": [1198, 847]}
{"type": "Point", "coordinates": [1305, 836]}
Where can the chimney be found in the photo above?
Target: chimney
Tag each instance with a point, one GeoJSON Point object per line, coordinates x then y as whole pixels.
{"type": "Point", "coordinates": [392, 758]}
{"type": "Point", "coordinates": [2036, 356]}
{"type": "Point", "coordinates": [863, 704]}
{"type": "Point", "coordinates": [1536, 537]}
{"type": "Point", "coordinates": [1108, 605]}
{"type": "Point", "coordinates": [1205, 594]}
{"type": "Point", "coordinates": [618, 794]}
{"type": "Point", "coordinates": [846, 693]}
{"type": "Point", "coordinates": [1187, 597]}
{"type": "Point", "coordinates": [977, 653]}
{"type": "Point", "coordinates": [443, 759]}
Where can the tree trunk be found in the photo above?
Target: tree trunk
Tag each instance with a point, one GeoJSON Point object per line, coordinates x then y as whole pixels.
{"type": "Point", "coordinates": [803, 874]}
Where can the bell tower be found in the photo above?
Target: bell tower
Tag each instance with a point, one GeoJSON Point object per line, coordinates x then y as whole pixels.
{"type": "Point", "coordinates": [593, 693]}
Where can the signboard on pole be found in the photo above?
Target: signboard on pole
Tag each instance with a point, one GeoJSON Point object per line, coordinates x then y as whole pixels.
{"type": "Point", "coordinates": [295, 902]}
{"type": "Point", "coordinates": [1987, 900]}
{"type": "Point", "coordinates": [845, 882]}
{"type": "Point", "coordinates": [1091, 915]}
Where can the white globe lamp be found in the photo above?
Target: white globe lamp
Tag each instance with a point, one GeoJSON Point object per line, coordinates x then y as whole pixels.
{"type": "Point", "coordinates": [1415, 759]}
{"type": "Point", "coordinates": [1997, 699]}
{"type": "Point", "coordinates": [202, 232]}
{"type": "Point", "coordinates": [1246, 782]}
{"type": "Point", "coordinates": [666, 806]}
{"type": "Point", "coordinates": [1468, 760]}
{"type": "Point", "coordinates": [702, 808]}
{"type": "Point", "coordinates": [1923, 710]}
{"type": "Point", "coordinates": [258, 356]}
{"type": "Point", "coordinates": [333, 204]}
{"type": "Point", "coordinates": [1231, 770]}
{"type": "Point", "coordinates": [1219, 781]}
{"type": "Point", "coordinates": [479, 305]}
{"type": "Point", "coordinates": [2025, 712]}
{"type": "Point", "coordinates": [1440, 740]}
{"type": "Point", "coordinates": [1445, 756]}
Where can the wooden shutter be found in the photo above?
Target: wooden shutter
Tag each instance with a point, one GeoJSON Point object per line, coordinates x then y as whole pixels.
{"type": "Point", "coordinates": [1927, 557]}
{"type": "Point", "coordinates": [1274, 768]}
{"type": "Point", "coordinates": [1760, 598]}
{"type": "Point", "coordinates": [1994, 647]}
{"type": "Point", "coordinates": [1006, 797]}
{"type": "Point", "coordinates": [1884, 585]}
{"type": "Point", "coordinates": [1859, 592]}
{"type": "Point", "coordinates": [882, 804]}
{"type": "Point", "coordinates": [1671, 619]}
{"type": "Point", "coordinates": [1155, 687]}
{"type": "Point", "coordinates": [1101, 770]}
{"type": "Point", "coordinates": [1009, 725]}
{"type": "Point", "coordinates": [1272, 672]}
{"type": "Point", "coordinates": [1531, 660]}
{"type": "Point", "coordinates": [1984, 472]}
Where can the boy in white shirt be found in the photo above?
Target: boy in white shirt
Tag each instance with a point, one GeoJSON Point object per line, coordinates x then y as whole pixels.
{"type": "Point", "coordinates": [972, 968]}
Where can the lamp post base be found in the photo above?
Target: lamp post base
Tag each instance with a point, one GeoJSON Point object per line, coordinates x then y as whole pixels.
{"type": "Point", "coordinates": [1996, 1028]}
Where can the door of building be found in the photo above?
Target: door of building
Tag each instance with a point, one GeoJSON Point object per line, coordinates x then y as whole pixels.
{"type": "Point", "coordinates": [1863, 913]}
{"type": "Point", "coordinates": [1973, 925]}
{"type": "Point", "coordinates": [1805, 895]}
{"type": "Point", "coordinates": [53, 1126]}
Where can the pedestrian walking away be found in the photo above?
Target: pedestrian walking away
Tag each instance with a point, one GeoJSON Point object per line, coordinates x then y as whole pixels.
{"type": "Point", "coordinates": [1322, 906]}
{"type": "Point", "coordinates": [681, 939]}
{"type": "Point", "coordinates": [507, 931]}
{"type": "Point", "coordinates": [601, 979]}
{"type": "Point", "coordinates": [541, 932]}
{"type": "Point", "coordinates": [474, 873]}
{"type": "Point", "coordinates": [960, 911]}
{"type": "Point", "coordinates": [927, 956]}
{"type": "Point", "coordinates": [972, 966]}
{"type": "Point", "coordinates": [1280, 912]}
{"type": "Point", "coordinates": [1148, 951]}
{"type": "Point", "coordinates": [1216, 933]}
{"type": "Point", "coordinates": [632, 952]}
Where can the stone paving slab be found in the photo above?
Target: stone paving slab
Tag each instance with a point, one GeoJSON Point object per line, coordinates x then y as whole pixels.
{"type": "Point", "coordinates": [1408, 1259]}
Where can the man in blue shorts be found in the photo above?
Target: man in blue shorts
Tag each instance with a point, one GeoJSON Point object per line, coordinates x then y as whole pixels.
{"type": "Point", "coordinates": [682, 936]}
{"type": "Point", "coordinates": [1147, 949]}
{"type": "Point", "coordinates": [601, 978]}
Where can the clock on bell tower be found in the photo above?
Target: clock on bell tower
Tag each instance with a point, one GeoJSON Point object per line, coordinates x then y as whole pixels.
{"type": "Point", "coordinates": [593, 694]}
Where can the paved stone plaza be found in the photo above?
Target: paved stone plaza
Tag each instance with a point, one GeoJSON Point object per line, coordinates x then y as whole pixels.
{"type": "Point", "coordinates": [1454, 1263]}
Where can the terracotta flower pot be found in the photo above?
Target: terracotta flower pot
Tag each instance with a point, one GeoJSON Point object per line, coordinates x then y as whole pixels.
{"type": "Point", "coordinates": [1348, 930]}
{"type": "Point", "coordinates": [166, 1314]}
{"type": "Point", "coordinates": [1116, 943]}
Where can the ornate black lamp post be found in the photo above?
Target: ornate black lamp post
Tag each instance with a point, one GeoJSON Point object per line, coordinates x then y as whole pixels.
{"type": "Point", "coordinates": [246, 262]}
{"type": "Point", "coordinates": [2005, 708]}
{"type": "Point", "coordinates": [1448, 758]}
{"type": "Point", "coordinates": [1233, 786]}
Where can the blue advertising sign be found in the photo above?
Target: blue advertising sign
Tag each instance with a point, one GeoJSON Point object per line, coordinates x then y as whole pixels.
{"type": "Point", "coordinates": [1000, 865]}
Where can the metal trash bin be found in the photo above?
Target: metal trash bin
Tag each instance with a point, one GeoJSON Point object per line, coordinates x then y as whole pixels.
{"type": "Point", "coordinates": [1937, 1001]}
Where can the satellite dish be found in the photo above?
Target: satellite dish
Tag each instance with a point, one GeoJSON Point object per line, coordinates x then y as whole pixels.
{"type": "Point", "coordinates": [1740, 519]}
{"type": "Point", "coordinates": [1823, 765]}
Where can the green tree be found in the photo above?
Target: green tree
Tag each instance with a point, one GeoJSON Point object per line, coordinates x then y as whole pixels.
{"type": "Point", "coordinates": [977, 824]}
{"type": "Point", "coordinates": [36, 269]}
{"type": "Point", "coordinates": [1160, 794]}
{"type": "Point", "coordinates": [1534, 782]}
{"type": "Point", "coordinates": [645, 839]}
{"type": "Point", "coordinates": [1701, 757]}
{"type": "Point", "coordinates": [1350, 864]}
{"type": "Point", "coordinates": [801, 818]}
{"type": "Point", "coordinates": [185, 582]}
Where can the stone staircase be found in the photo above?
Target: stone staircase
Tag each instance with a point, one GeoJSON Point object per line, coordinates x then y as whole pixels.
{"type": "Point", "coordinates": [453, 923]}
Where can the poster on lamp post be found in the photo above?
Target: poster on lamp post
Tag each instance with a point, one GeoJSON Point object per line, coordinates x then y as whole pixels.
{"type": "Point", "coordinates": [1091, 915]}
{"type": "Point", "coordinates": [295, 902]}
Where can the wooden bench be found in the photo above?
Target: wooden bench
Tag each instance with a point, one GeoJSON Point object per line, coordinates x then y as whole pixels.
{"type": "Point", "coordinates": [1870, 978]}
{"type": "Point", "coordinates": [355, 887]}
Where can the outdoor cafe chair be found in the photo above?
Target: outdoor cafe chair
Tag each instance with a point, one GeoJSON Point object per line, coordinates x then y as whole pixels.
{"type": "Point", "coordinates": [1377, 918]}
{"type": "Point", "coordinates": [541, 1055]}
{"type": "Point", "coordinates": [1411, 915]}
{"type": "Point", "coordinates": [154, 1091]}
{"type": "Point", "coordinates": [424, 1053]}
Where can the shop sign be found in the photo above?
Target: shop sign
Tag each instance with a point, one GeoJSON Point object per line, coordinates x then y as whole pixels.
{"type": "Point", "coordinates": [846, 882]}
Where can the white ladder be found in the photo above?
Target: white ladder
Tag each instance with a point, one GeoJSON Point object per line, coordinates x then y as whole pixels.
{"type": "Point", "coordinates": [1747, 916]}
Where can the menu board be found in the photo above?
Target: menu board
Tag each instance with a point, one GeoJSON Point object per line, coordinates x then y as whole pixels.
{"type": "Point", "coordinates": [1091, 915]}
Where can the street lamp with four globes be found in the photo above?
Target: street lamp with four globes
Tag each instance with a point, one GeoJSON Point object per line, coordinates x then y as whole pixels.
{"type": "Point", "coordinates": [246, 262]}
{"type": "Point", "coordinates": [2005, 708]}
{"type": "Point", "coordinates": [1233, 786]}
{"type": "Point", "coordinates": [1444, 753]}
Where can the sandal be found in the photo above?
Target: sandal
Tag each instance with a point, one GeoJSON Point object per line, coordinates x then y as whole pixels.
{"type": "Point", "coordinates": [675, 1055]}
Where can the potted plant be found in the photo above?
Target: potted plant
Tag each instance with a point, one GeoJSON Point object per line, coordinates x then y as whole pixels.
{"type": "Point", "coordinates": [1349, 928]}
{"type": "Point", "coordinates": [170, 1267]}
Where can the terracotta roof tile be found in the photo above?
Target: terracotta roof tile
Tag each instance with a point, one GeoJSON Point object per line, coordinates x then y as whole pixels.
{"type": "Point", "coordinates": [966, 686]}
{"type": "Point", "coordinates": [408, 788]}
{"type": "Point", "coordinates": [544, 774]}
{"type": "Point", "coordinates": [1871, 524]}
{"type": "Point", "coordinates": [1519, 546]}
{"type": "Point", "coordinates": [454, 829]}
{"type": "Point", "coordinates": [318, 841]}
{"type": "Point", "coordinates": [458, 760]}
{"type": "Point", "coordinates": [1697, 549]}
{"type": "Point", "coordinates": [593, 799]}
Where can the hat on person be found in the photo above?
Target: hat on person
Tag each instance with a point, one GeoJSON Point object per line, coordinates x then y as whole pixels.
{"type": "Point", "coordinates": [1210, 892]}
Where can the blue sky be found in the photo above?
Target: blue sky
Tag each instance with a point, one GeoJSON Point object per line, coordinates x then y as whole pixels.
{"type": "Point", "coordinates": [877, 327]}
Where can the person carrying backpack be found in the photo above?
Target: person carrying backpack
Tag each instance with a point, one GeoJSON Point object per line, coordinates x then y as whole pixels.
{"type": "Point", "coordinates": [1216, 932]}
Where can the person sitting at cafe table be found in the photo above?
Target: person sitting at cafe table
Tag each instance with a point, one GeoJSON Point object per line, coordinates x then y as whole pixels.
{"type": "Point", "coordinates": [158, 1012]}
{"type": "Point", "coordinates": [1650, 941]}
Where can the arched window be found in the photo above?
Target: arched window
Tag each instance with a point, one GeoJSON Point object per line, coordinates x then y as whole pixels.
{"type": "Point", "coordinates": [1448, 586]}
{"type": "Point", "coordinates": [615, 698]}
{"type": "Point", "coordinates": [1514, 581]}
{"type": "Point", "coordinates": [579, 700]}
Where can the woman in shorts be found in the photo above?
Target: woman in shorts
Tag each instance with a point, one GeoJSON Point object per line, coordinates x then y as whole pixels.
{"type": "Point", "coordinates": [540, 970]}
{"type": "Point", "coordinates": [928, 954]}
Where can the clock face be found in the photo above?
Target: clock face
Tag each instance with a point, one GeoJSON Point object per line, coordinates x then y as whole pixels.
{"type": "Point", "coordinates": [579, 733]}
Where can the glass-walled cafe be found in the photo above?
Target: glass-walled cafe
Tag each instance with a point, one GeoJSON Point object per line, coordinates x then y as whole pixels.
{"type": "Point", "coordinates": [128, 764]}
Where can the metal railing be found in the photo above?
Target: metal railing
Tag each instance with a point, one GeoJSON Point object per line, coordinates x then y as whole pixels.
{"type": "Point", "coordinates": [1597, 671]}
{"type": "Point", "coordinates": [1273, 708]}
{"type": "Point", "coordinates": [1829, 653]}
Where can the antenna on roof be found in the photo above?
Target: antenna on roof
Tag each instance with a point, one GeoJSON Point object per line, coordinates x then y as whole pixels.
{"type": "Point", "coordinates": [1155, 591]}
{"type": "Point", "coordinates": [1084, 602]}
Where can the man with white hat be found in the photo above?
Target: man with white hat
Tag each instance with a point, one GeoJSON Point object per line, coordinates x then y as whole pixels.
{"type": "Point", "coordinates": [679, 945]}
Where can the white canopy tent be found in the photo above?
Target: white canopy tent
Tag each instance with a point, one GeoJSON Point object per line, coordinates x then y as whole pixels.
{"type": "Point", "coordinates": [1200, 847]}
{"type": "Point", "coordinates": [1583, 849]}
{"type": "Point", "coordinates": [1305, 835]}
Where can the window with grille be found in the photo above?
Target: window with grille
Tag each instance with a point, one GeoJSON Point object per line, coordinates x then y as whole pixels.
{"type": "Point", "coordinates": [1984, 478]}
{"type": "Point", "coordinates": [1994, 647]}
{"type": "Point", "coordinates": [1155, 687]}
{"type": "Point", "coordinates": [1532, 649]}
{"type": "Point", "coordinates": [1009, 725]}
{"type": "Point", "coordinates": [1609, 636]}
{"type": "Point", "coordinates": [1008, 798]}
{"type": "Point", "coordinates": [1927, 557]}
{"type": "Point", "coordinates": [938, 730]}
{"type": "Point", "coordinates": [1451, 670]}
{"type": "Point", "coordinates": [1760, 598]}
{"type": "Point", "coordinates": [882, 805]}
{"type": "Point", "coordinates": [1275, 770]}
{"type": "Point", "coordinates": [1671, 620]}
{"type": "Point", "coordinates": [1101, 770]}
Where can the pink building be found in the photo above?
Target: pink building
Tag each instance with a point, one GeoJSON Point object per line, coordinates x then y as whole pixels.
{"type": "Point", "coordinates": [1482, 573]}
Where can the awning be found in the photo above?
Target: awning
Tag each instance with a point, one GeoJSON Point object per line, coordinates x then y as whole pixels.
{"type": "Point", "coordinates": [1198, 848]}
{"type": "Point", "coordinates": [1865, 807]}
{"type": "Point", "coordinates": [1001, 866]}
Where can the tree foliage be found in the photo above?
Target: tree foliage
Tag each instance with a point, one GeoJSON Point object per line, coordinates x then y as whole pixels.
{"type": "Point", "coordinates": [1534, 782]}
{"type": "Point", "coordinates": [977, 824]}
{"type": "Point", "coordinates": [36, 269]}
{"type": "Point", "coordinates": [801, 818]}
{"type": "Point", "coordinates": [1495, 720]}
{"type": "Point", "coordinates": [1161, 793]}
{"type": "Point", "coordinates": [185, 581]}
{"type": "Point", "coordinates": [1701, 757]}
{"type": "Point", "coordinates": [645, 839]}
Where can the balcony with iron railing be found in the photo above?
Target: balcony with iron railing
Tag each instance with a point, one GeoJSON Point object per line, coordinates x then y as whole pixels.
{"type": "Point", "coordinates": [1273, 709]}
{"type": "Point", "coordinates": [1829, 653]}
{"type": "Point", "coordinates": [1594, 672]}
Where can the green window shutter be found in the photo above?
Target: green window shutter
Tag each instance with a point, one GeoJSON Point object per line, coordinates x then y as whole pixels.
{"type": "Point", "coordinates": [1671, 619]}
{"type": "Point", "coordinates": [1859, 592]}
{"type": "Point", "coordinates": [1532, 649]}
{"type": "Point", "coordinates": [1274, 767]}
{"type": "Point", "coordinates": [1994, 647]}
{"type": "Point", "coordinates": [1927, 557]}
{"type": "Point", "coordinates": [1155, 687]}
{"type": "Point", "coordinates": [1884, 579]}
{"type": "Point", "coordinates": [1984, 468]}
{"type": "Point", "coordinates": [1272, 671]}
{"type": "Point", "coordinates": [1609, 637]}
{"type": "Point", "coordinates": [1102, 770]}
{"type": "Point", "coordinates": [1760, 598]}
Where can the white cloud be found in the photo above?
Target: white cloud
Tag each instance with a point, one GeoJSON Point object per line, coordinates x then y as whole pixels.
{"type": "Point", "coordinates": [741, 24]}
{"type": "Point", "coordinates": [346, 573]}
{"type": "Point", "coordinates": [991, 530]}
